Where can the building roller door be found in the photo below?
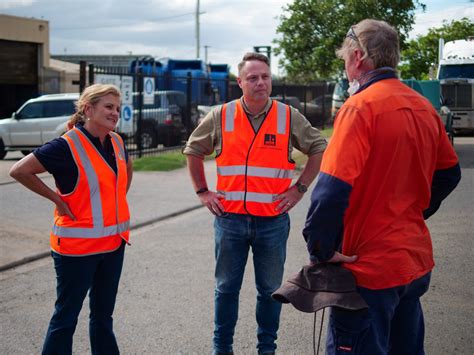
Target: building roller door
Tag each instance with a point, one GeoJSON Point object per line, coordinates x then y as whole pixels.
{"type": "Point", "coordinates": [18, 75]}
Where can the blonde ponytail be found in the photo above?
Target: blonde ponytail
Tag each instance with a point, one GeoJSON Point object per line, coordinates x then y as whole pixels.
{"type": "Point", "coordinates": [77, 117]}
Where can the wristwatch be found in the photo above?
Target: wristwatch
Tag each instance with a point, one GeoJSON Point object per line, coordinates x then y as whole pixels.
{"type": "Point", "coordinates": [301, 187]}
{"type": "Point", "coordinates": [202, 190]}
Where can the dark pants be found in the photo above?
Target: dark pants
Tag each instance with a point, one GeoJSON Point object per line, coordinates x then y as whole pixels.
{"type": "Point", "coordinates": [75, 276]}
{"type": "Point", "coordinates": [393, 324]}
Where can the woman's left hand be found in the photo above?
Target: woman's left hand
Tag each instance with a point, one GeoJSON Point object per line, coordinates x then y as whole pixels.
{"type": "Point", "coordinates": [63, 209]}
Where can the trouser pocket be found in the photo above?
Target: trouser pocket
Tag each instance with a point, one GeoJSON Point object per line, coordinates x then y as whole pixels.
{"type": "Point", "coordinates": [345, 342]}
{"type": "Point", "coordinates": [345, 339]}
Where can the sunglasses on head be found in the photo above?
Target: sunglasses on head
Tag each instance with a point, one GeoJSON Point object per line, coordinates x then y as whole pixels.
{"type": "Point", "coordinates": [351, 34]}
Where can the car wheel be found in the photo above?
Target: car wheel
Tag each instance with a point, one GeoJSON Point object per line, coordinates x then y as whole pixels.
{"type": "Point", "coordinates": [148, 139]}
{"type": "Point", "coordinates": [25, 152]}
{"type": "Point", "coordinates": [3, 152]}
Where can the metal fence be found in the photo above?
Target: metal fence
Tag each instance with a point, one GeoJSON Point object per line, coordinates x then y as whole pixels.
{"type": "Point", "coordinates": [154, 119]}
{"type": "Point", "coordinates": [314, 100]}
{"type": "Point", "coordinates": [159, 111]}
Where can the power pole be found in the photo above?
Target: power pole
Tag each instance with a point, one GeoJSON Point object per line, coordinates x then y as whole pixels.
{"type": "Point", "coordinates": [264, 49]}
{"type": "Point", "coordinates": [197, 30]}
{"type": "Point", "coordinates": [205, 54]}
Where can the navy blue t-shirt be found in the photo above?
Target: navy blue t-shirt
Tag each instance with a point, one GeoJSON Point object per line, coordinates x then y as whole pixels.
{"type": "Point", "coordinates": [57, 159]}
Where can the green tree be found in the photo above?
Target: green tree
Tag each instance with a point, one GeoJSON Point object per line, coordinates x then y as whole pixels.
{"type": "Point", "coordinates": [311, 31]}
{"type": "Point", "coordinates": [422, 53]}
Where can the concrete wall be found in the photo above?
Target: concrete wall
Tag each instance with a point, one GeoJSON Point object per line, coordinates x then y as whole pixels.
{"type": "Point", "coordinates": [66, 74]}
{"type": "Point", "coordinates": [54, 76]}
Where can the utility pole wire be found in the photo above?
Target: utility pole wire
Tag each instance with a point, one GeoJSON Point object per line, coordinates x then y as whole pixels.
{"type": "Point", "coordinates": [122, 24]}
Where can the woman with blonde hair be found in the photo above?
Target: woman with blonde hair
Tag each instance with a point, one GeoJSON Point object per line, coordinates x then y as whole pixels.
{"type": "Point", "coordinates": [92, 174]}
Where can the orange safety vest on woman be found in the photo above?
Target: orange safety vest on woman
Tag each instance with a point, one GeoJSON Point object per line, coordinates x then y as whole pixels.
{"type": "Point", "coordinates": [254, 167]}
{"type": "Point", "coordinates": [98, 201]}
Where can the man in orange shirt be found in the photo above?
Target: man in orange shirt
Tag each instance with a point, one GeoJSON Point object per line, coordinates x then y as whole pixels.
{"type": "Point", "coordinates": [387, 168]}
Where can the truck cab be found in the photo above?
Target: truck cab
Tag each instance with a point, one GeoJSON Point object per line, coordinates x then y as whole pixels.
{"type": "Point", "coordinates": [456, 76]}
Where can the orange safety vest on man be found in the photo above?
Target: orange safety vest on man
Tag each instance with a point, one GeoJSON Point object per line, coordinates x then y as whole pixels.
{"type": "Point", "coordinates": [98, 201]}
{"type": "Point", "coordinates": [254, 167]}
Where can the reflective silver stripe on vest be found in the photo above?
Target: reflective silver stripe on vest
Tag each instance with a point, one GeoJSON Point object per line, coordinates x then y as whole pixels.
{"type": "Point", "coordinates": [229, 116]}
{"type": "Point", "coordinates": [281, 118]}
{"type": "Point", "coordinates": [96, 232]}
{"type": "Point", "coordinates": [122, 151]}
{"type": "Point", "coordinates": [255, 171]}
{"type": "Point", "coordinates": [92, 179]}
{"type": "Point", "coordinates": [251, 196]}
{"type": "Point", "coordinates": [230, 113]}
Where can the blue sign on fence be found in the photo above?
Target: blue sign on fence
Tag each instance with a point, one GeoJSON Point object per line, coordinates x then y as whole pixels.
{"type": "Point", "coordinates": [148, 90]}
{"type": "Point", "coordinates": [126, 121]}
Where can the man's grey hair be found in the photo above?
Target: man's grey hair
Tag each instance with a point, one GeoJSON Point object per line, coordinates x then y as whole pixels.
{"type": "Point", "coordinates": [253, 56]}
{"type": "Point", "coordinates": [377, 40]}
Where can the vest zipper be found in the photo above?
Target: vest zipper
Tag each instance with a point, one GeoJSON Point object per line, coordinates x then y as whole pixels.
{"type": "Point", "coordinates": [248, 152]}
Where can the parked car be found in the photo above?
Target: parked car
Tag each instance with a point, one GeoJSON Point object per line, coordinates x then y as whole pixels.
{"type": "Point", "coordinates": [36, 122]}
{"type": "Point", "coordinates": [313, 111]}
{"type": "Point", "coordinates": [318, 110]}
{"type": "Point", "coordinates": [203, 110]}
{"type": "Point", "coordinates": [164, 122]}
{"type": "Point", "coordinates": [289, 100]}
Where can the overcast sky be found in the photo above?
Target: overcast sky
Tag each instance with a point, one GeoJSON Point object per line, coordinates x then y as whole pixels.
{"type": "Point", "coordinates": [166, 28]}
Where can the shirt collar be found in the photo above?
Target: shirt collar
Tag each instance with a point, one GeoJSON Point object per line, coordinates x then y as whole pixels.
{"type": "Point", "coordinates": [93, 139]}
{"type": "Point", "coordinates": [258, 115]}
{"type": "Point", "coordinates": [377, 75]}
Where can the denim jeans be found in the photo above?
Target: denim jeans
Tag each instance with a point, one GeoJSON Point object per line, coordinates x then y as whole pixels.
{"type": "Point", "coordinates": [392, 325]}
{"type": "Point", "coordinates": [75, 276]}
{"type": "Point", "coordinates": [235, 234]}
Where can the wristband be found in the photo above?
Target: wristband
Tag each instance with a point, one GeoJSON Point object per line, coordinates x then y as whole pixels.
{"type": "Point", "coordinates": [202, 190]}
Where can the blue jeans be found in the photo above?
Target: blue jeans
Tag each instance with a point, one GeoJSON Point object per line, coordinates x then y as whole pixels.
{"type": "Point", "coordinates": [234, 235]}
{"type": "Point", "coordinates": [75, 276]}
{"type": "Point", "coordinates": [393, 324]}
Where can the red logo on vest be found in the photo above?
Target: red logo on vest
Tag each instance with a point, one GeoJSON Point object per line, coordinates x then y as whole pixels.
{"type": "Point", "coordinates": [270, 139]}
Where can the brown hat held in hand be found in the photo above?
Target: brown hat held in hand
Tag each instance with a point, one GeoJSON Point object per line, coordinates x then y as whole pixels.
{"type": "Point", "coordinates": [321, 285]}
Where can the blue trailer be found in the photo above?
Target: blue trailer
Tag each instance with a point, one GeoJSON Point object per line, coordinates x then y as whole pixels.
{"type": "Point", "coordinates": [172, 74]}
{"type": "Point", "coordinates": [178, 70]}
{"type": "Point", "coordinates": [219, 74]}
{"type": "Point", "coordinates": [150, 67]}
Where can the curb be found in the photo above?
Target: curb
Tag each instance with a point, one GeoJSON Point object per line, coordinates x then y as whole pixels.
{"type": "Point", "coordinates": [42, 255]}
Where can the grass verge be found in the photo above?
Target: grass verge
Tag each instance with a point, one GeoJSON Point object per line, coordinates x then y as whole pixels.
{"type": "Point", "coordinates": [163, 162]}
{"type": "Point", "coordinates": [327, 132]}
{"type": "Point", "coordinates": [175, 159]}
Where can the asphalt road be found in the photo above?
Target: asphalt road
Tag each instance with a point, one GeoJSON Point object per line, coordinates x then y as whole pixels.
{"type": "Point", "coordinates": [165, 302]}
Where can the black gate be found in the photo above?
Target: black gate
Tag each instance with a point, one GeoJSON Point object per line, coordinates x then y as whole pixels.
{"type": "Point", "coordinates": [160, 111]}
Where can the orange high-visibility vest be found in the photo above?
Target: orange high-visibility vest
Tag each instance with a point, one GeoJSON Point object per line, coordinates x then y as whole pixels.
{"type": "Point", "coordinates": [254, 167]}
{"type": "Point", "coordinates": [98, 201]}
